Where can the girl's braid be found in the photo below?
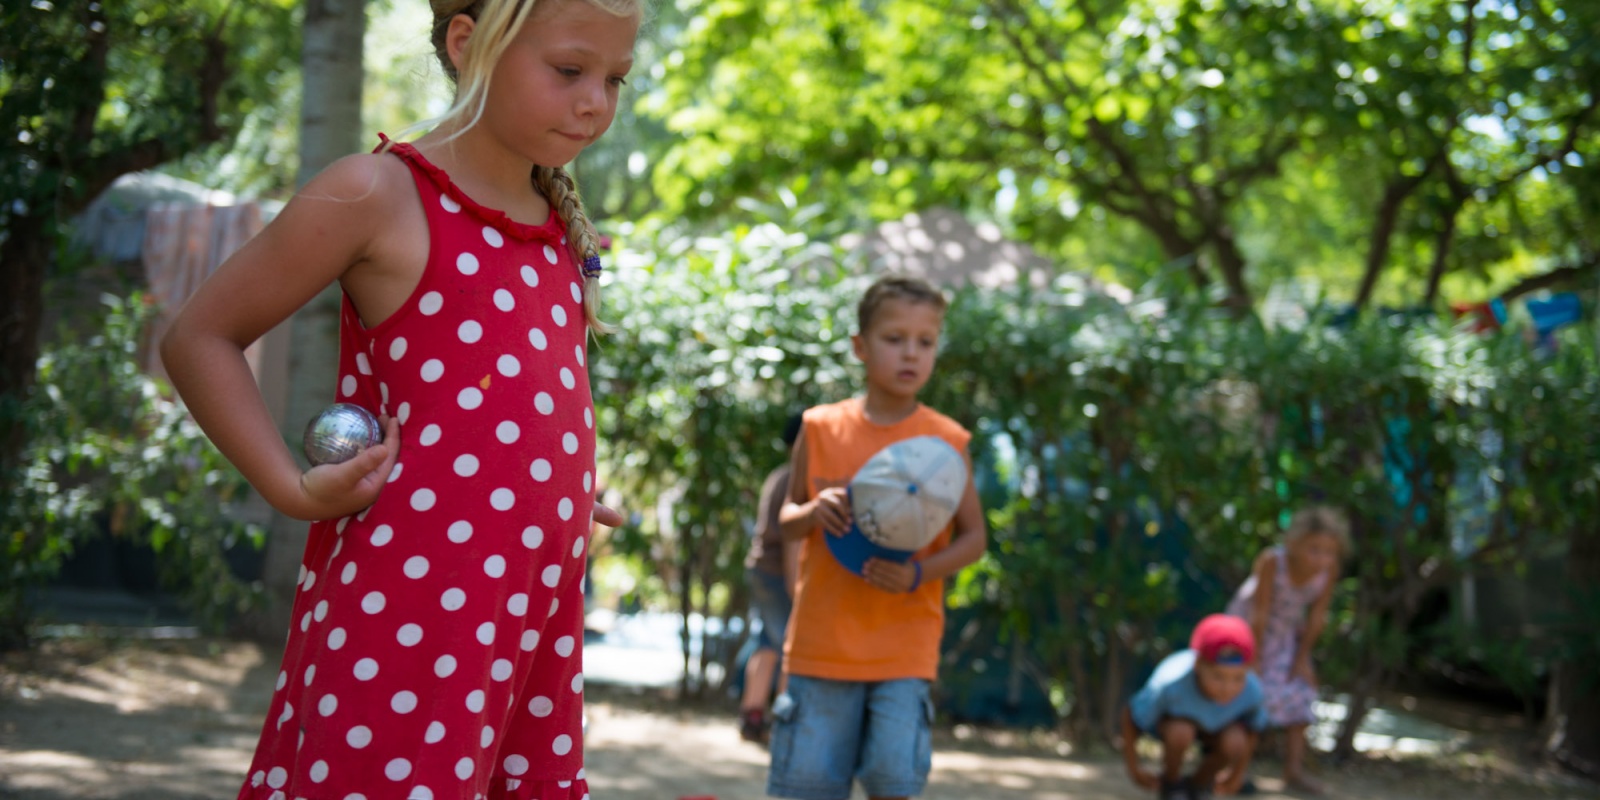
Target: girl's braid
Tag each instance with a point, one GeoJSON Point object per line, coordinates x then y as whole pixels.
{"type": "Point", "coordinates": [558, 187]}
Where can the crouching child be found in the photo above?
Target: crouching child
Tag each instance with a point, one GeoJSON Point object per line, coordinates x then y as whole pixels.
{"type": "Point", "coordinates": [1206, 695]}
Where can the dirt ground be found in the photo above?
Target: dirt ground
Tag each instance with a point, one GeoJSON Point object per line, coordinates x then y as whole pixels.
{"type": "Point", "coordinates": [96, 719]}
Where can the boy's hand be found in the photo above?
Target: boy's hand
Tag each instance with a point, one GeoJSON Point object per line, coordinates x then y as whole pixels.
{"type": "Point", "coordinates": [831, 510]}
{"type": "Point", "coordinates": [336, 490]}
{"type": "Point", "coordinates": [889, 576]}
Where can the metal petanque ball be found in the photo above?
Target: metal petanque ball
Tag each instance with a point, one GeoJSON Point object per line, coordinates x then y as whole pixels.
{"type": "Point", "coordinates": [339, 432]}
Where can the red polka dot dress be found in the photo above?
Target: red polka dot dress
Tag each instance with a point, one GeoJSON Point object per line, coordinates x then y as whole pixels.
{"type": "Point", "coordinates": [436, 645]}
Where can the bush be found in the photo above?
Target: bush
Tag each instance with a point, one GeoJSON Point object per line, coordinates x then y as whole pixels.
{"type": "Point", "coordinates": [108, 453]}
{"type": "Point", "coordinates": [1133, 458]}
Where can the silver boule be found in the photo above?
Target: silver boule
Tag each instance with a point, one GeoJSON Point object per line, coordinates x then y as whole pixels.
{"type": "Point", "coordinates": [339, 432]}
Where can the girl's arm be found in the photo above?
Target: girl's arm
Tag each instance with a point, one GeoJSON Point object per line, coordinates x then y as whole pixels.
{"type": "Point", "coordinates": [967, 543]}
{"type": "Point", "coordinates": [1316, 619]}
{"type": "Point", "coordinates": [1261, 605]}
{"type": "Point", "coordinates": [324, 231]}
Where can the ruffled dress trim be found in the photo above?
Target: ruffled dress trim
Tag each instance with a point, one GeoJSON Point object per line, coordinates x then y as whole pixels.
{"type": "Point", "coordinates": [551, 230]}
{"type": "Point", "coordinates": [507, 789]}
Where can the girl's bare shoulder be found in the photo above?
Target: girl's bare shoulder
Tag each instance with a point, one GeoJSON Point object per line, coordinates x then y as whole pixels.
{"type": "Point", "coordinates": [351, 208]}
{"type": "Point", "coordinates": [366, 181]}
{"type": "Point", "coordinates": [1266, 561]}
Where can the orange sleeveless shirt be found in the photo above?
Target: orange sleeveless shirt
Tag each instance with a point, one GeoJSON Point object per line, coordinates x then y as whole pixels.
{"type": "Point", "coordinates": [842, 627]}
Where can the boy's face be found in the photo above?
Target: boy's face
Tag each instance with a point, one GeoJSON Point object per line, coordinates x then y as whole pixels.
{"type": "Point", "coordinates": [899, 346]}
{"type": "Point", "coordinates": [1220, 683]}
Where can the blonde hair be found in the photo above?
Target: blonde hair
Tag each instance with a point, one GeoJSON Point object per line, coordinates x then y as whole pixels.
{"type": "Point", "coordinates": [896, 287]}
{"type": "Point", "coordinates": [1314, 520]}
{"type": "Point", "coordinates": [496, 25]}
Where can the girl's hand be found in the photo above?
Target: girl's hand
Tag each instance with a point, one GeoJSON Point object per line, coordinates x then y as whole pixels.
{"type": "Point", "coordinates": [1304, 671]}
{"type": "Point", "coordinates": [607, 516]}
{"type": "Point", "coordinates": [889, 576]}
{"type": "Point", "coordinates": [831, 510]}
{"type": "Point", "coordinates": [336, 490]}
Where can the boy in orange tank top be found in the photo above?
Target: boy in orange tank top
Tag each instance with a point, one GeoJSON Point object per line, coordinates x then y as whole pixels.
{"type": "Point", "coordinates": [862, 646]}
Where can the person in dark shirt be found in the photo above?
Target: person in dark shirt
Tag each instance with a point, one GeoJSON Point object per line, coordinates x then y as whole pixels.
{"type": "Point", "coordinates": [769, 571]}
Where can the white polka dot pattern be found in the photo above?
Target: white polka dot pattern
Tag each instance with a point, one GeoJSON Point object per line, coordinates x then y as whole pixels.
{"type": "Point", "coordinates": [418, 659]}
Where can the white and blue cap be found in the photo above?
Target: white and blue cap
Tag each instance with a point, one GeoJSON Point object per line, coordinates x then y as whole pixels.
{"type": "Point", "coordinates": [900, 500]}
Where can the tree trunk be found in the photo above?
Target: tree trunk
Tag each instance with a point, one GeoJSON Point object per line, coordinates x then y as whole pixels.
{"type": "Point", "coordinates": [1441, 253]}
{"type": "Point", "coordinates": [24, 259]}
{"type": "Point", "coordinates": [707, 580]}
{"type": "Point", "coordinates": [1383, 227]}
{"type": "Point", "coordinates": [1111, 691]}
{"type": "Point", "coordinates": [330, 128]}
{"type": "Point", "coordinates": [1366, 687]}
{"type": "Point", "coordinates": [1231, 263]}
{"type": "Point", "coordinates": [1584, 269]}
{"type": "Point", "coordinates": [330, 109]}
{"type": "Point", "coordinates": [685, 609]}
{"type": "Point", "coordinates": [1575, 712]}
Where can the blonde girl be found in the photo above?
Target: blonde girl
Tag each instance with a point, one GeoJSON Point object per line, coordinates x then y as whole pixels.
{"type": "Point", "coordinates": [1286, 602]}
{"type": "Point", "coordinates": [435, 649]}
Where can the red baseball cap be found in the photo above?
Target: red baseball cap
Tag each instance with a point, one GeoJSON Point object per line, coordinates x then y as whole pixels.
{"type": "Point", "coordinates": [1223, 639]}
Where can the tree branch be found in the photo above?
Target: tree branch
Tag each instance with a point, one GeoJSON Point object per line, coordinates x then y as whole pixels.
{"type": "Point", "coordinates": [1013, 21]}
{"type": "Point", "coordinates": [93, 65]}
{"type": "Point", "coordinates": [1445, 236]}
{"type": "Point", "coordinates": [101, 171]}
{"type": "Point", "coordinates": [1587, 266]}
{"type": "Point", "coordinates": [1385, 221]}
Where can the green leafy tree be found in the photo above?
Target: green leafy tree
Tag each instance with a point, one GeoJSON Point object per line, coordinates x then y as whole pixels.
{"type": "Point", "coordinates": [1134, 459]}
{"type": "Point", "coordinates": [90, 91]}
{"type": "Point", "coordinates": [716, 349]}
{"type": "Point", "coordinates": [108, 453]}
{"type": "Point", "coordinates": [1178, 118]}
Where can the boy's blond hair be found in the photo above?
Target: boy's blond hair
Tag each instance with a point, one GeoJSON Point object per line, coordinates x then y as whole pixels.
{"type": "Point", "coordinates": [896, 287]}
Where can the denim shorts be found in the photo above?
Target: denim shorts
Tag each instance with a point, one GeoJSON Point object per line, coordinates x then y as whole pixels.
{"type": "Point", "coordinates": [827, 734]}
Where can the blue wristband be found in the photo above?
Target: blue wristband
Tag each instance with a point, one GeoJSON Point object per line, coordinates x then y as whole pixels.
{"type": "Point", "coordinates": [917, 581]}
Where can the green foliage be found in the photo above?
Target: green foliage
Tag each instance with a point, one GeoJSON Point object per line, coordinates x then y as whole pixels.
{"type": "Point", "coordinates": [1518, 664]}
{"type": "Point", "coordinates": [89, 87]}
{"type": "Point", "coordinates": [1244, 140]}
{"type": "Point", "coordinates": [1133, 459]}
{"type": "Point", "coordinates": [717, 349]}
{"type": "Point", "coordinates": [109, 454]}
